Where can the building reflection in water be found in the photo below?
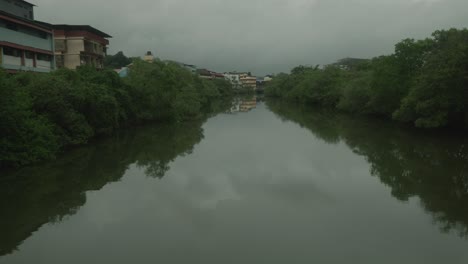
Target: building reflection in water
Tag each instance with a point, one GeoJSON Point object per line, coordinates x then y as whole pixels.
{"type": "Point", "coordinates": [243, 105]}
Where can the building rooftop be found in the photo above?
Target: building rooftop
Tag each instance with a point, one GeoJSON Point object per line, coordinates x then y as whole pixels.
{"type": "Point", "coordinates": [77, 28]}
{"type": "Point", "coordinates": [26, 21]}
{"type": "Point", "coordinates": [25, 2]}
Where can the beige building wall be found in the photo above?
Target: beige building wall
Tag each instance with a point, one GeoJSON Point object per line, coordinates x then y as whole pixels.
{"type": "Point", "coordinates": [72, 56]}
{"type": "Point", "coordinates": [75, 52]}
{"type": "Point", "coordinates": [249, 81]}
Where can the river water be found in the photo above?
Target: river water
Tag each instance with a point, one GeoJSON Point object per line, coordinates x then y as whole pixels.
{"type": "Point", "coordinates": [261, 183]}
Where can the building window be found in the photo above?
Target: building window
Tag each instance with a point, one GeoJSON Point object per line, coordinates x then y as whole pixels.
{"type": "Point", "coordinates": [11, 52]}
{"type": "Point", "coordinates": [29, 55]}
{"type": "Point", "coordinates": [12, 26]}
{"type": "Point", "coordinates": [44, 57]}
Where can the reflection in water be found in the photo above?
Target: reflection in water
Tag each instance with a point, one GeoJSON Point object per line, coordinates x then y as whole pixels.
{"type": "Point", "coordinates": [243, 104]}
{"type": "Point", "coordinates": [413, 163]}
{"type": "Point", "coordinates": [268, 189]}
{"type": "Point", "coordinates": [47, 193]}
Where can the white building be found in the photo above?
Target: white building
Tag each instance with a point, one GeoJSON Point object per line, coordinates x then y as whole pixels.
{"type": "Point", "coordinates": [234, 79]}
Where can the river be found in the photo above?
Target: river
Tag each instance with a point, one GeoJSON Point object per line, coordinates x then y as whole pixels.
{"type": "Point", "coordinates": [260, 183]}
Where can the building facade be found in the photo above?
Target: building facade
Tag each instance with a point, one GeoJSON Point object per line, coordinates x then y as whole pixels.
{"type": "Point", "coordinates": [25, 44]}
{"type": "Point", "coordinates": [18, 8]}
{"type": "Point", "coordinates": [78, 45]}
{"type": "Point", "coordinates": [249, 81]}
{"type": "Point", "coordinates": [148, 57]}
{"type": "Point", "coordinates": [234, 79]}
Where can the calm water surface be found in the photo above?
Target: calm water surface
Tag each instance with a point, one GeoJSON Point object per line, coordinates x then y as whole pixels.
{"type": "Point", "coordinates": [267, 183]}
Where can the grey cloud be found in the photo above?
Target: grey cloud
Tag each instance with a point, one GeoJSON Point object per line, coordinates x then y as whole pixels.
{"type": "Point", "coordinates": [258, 35]}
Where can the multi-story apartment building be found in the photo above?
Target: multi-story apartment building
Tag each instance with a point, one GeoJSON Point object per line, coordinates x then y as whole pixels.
{"type": "Point", "coordinates": [234, 79]}
{"type": "Point", "coordinates": [25, 44]}
{"type": "Point", "coordinates": [77, 45]}
{"type": "Point", "coordinates": [249, 81]}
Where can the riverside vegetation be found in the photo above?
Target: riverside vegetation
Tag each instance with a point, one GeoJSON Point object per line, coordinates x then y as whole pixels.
{"type": "Point", "coordinates": [424, 82]}
{"type": "Point", "coordinates": [41, 114]}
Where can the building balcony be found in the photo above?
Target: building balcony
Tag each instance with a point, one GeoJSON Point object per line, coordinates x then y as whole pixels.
{"type": "Point", "coordinates": [92, 48]}
{"type": "Point", "coordinates": [24, 39]}
{"type": "Point", "coordinates": [14, 63]}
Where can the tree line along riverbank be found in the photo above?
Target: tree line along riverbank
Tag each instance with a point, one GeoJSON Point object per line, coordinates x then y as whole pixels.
{"type": "Point", "coordinates": [42, 114]}
{"type": "Point", "coordinates": [424, 82]}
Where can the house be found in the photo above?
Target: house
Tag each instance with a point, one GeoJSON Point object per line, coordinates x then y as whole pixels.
{"type": "Point", "coordinates": [245, 79]}
{"type": "Point", "coordinates": [25, 44]}
{"type": "Point", "coordinates": [204, 74]}
{"type": "Point", "coordinates": [77, 45]}
{"type": "Point", "coordinates": [210, 75]}
{"type": "Point", "coordinates": [148, 57]}
{"type": "Point", "coordinates": [249, 81]}
{"type": "Point", "coordinates": [234, 79]}
{"type": "Point", "coordinates": [123, 72]}
{"type": "Point", "coordinates": [217, 75]}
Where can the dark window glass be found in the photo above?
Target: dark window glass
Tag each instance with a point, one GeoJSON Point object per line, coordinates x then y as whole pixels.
{"type": "Point", "coordinates": [29, 55]}
{"type": "Point", "coordinates": [44, 57]}
{"type": "Point", "coordinates": [11, 52]}
{"type": "Point", "coordinates": [12, 26]}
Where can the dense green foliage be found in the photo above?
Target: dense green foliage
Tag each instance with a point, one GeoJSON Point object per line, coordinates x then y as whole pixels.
{"type": "Point", "coordinates": [40, 114]}
{"type": "Point", "coordinates": [424, 82]}
{"type": "Point", "coordinates": [117, 61]}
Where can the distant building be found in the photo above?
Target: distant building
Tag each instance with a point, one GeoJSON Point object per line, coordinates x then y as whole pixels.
{"type": "Point", "coordinates": [191, 68]}
{"type": "Point", "coordinates": [25, 44]}
{"type": "Point", "coordinates": [77, 45]}
{"type": "Point", "coordinates": [349, 63]}
{"type": "Point", "coordinates": [204, 74]}
{"type": "Point", "coordinates": [148, 57]}
{"type": "Point", "coordinates": [123, 72]}
{"type": "Point", "coordinates": [249, 81]}
{"type": "Point", "coordinates": [234, 79]}
{"type": "Point", "coordinates": [210, 75]}
{"type": "Point", "coordinates": [244, 78]}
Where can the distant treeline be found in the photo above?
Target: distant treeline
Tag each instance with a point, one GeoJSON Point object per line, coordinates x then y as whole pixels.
{"type": "Point", "coordinates": [41, 114]}
{"type": "Point", "coordinates": [424, 82]}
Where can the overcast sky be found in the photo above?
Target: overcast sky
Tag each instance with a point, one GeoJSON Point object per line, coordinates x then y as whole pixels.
{"type": "Point", "coordinates": [257, 35]}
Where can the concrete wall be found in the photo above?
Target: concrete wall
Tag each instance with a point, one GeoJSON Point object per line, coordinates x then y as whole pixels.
{"type": "Point", "coordinates": [17, 8]}
{"type": "Point", "coordinates": [45, 65]}
{"type": "Point", "coordinates": [28, 62]}
{"type": "Point", "coordinates": [26, 39]}
{"type": "Point", "coordinates": [72, 57]}
{"type": "Point", "coordinates": [11, 60]}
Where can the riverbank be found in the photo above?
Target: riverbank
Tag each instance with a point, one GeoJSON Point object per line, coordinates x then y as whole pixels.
{"type": "Point", "coordinates": [42, 114]}
{"type": "Point", "coordinates": [223, 176]}
{"type": "Point", "coordinates": [423, 83]}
